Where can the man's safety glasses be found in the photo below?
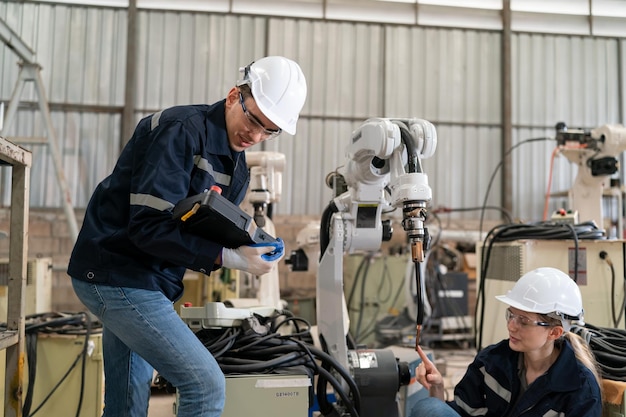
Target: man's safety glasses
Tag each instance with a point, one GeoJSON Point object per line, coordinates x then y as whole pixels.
{"type": "Point", "coordinates": [256, 124]}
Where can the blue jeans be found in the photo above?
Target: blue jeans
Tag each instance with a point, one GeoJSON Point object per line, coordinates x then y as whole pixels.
{"type": "Point", "coordinates": [142, 332]}
{"type": "Point", "coordinates": [432, 407]}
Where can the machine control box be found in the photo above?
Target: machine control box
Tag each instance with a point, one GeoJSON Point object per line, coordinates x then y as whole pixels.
{"type": "Point", "coordinates": [212, 215]}
{"type": "Point", "coordinates": [266, 395]}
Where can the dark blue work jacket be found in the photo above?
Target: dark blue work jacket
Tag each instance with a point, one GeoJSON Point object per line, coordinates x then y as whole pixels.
{"type": "Point", "coordinates": [128, 237]}
{"type": "Point", "coordinates": [491, 387]}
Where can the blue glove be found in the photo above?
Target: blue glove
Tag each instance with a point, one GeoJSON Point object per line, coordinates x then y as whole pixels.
{"type": "Point", "coordinates": [258, 259]}
{"type": "Point", "coordinates": [274, 255]}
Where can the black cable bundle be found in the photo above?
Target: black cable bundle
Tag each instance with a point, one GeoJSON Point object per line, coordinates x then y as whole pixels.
{"type": "Point", "coordinates": [257, 346]}
{"type": "Point", "coordinates": [608, 346]}
{"type": "Point", "coordinates": [547, 230]}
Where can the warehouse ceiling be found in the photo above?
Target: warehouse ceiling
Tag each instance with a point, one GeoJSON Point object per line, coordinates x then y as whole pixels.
{"type": "Point", "coordinates": [580, 17]}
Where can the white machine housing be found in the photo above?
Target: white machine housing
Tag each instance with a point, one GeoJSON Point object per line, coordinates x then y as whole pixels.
{"type": "Point", "coordinates": [581, 148]}
{"type": "Point", "coordinates": [265, 188]}
{"type": "Point", "coordinates": [510, 260]}
{"type": "Point", "coordinates": [38, 297]}
{"type": "Point", "coordinates": [266, 176]}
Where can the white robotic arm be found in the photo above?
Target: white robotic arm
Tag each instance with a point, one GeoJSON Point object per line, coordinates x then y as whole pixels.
{"type": "Point", "coordinates": [384, 157]}
{"type": "Point", "coordinates": [409, 187]}
{"type": "Point", "coordinates": [367, 174]}
{"type": "Point", "coordinates": [383, 170]}
{"type": "Point", "coordinates": [595, 154]}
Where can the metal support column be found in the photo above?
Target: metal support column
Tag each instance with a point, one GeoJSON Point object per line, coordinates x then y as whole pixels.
{"type": "Point", "coordinates": [507, 123]}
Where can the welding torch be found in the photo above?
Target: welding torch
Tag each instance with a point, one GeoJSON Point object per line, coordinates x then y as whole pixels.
{"type": "Point", "coordinates": [413, 218]}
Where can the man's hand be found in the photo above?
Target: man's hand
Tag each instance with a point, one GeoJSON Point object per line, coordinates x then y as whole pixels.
{"type": "Point", "coordinates": [257, 259]}
{"type": "Point", "coordinates": [427, 374]}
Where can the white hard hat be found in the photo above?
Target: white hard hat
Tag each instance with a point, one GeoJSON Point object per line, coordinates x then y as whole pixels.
{"type": "Point", "coordinates": [279, 89]}
{"type": "Point", "coordinates": [547, 291]}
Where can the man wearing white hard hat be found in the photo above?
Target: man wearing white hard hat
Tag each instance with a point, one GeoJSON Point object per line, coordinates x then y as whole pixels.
{"type": "Point", "coordinates": [128, 262]}
{"type": "Point", "coordinates": [542, 369]}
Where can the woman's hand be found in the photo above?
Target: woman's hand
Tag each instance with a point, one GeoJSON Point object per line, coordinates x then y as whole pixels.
{"type": "Point", "coordinates": [427, 374]}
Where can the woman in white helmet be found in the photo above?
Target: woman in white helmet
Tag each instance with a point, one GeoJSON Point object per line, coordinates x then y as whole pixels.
{"type": "Point", "coordinates": [128, 262]}
{"type": "Point", "coordinates": [542, 369]}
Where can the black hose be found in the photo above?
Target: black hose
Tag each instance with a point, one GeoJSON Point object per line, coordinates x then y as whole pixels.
{"type": "Point", "coordinates": [325, 224]}
{"type": "Point", "coordinates": [413, 162]}
{"type": "Point", "coordinates": [420, 295]}
{"type": "Point", "coordinates": [617, 316]}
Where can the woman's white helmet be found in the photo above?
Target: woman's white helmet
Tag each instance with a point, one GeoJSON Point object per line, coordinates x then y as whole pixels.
{"type": "Point", "coordinates": [279, 89]}
{"type": "Point", "coordinates": [547, 291]}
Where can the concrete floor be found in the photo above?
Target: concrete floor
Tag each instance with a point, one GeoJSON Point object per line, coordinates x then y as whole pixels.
{"type": "Point", "coordinates": [451, 362]}
{"type": "Point", "coordinates": [161, 404]}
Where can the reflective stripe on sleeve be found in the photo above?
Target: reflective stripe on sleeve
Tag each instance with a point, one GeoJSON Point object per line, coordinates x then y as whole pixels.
{"type": "Point", "coordinates": [470, 410]}
{"type": "Point", "coordinates": [552, 413]}
{"type": "Point", "coordinates": [155, 120]}
{"type": "Point", "coordinates": [491, 382]}
{"type": "Point", "coordinates": [493, 385]}
{"type": "Point", "coordinates": [151, 201]}
{"type": "Point", "coordinates": [203, 164]}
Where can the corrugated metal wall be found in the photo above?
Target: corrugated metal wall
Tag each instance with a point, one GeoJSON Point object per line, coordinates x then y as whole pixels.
{"type": "Point", "coordinates": [81, 51]}
{"type": "Point", "coordinates": [449, 76]}
{"type": "Point", "coordinates": [557, 79]}
{"type": "Point", "coordinates": [452, 78]}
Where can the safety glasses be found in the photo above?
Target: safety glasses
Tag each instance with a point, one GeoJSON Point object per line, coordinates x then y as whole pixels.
{"type": "Point", "coordinates": [255, 123]}
{"type": "Point", "coordinates": [523, 320]}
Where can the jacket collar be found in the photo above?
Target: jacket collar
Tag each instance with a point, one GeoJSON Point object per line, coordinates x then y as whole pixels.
{"type": "Point", "coordinates": [562, 376]}
{"type": "Point", "coordinates": [217, 133]}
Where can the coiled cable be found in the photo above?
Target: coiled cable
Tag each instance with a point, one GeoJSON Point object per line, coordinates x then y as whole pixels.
{"type": "Point", "coordinates": [609, 348]}
{"type": "Point", "coordinates": [257, 346]}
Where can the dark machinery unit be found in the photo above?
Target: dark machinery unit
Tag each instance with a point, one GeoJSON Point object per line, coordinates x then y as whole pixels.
{"type": "Point", "coordinates": [449, 320]}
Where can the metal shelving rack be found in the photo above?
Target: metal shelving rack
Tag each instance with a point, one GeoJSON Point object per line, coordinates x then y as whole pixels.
{"type": "Point", "coordinates": [12, 338]}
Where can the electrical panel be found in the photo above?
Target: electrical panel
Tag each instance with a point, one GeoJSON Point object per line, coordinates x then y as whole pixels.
{"type": "Point", "coordinates": [57, 364]}
{"type": "Point", "coordinates": [597, 266]}
{"type": "Point", "coordinates": [38, 297]}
